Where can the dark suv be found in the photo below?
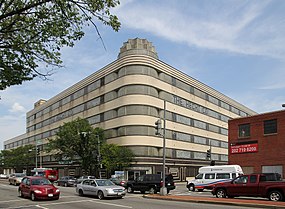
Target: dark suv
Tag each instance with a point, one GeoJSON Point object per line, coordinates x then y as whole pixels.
{"type": "Point", "coordinates": [151, 183]}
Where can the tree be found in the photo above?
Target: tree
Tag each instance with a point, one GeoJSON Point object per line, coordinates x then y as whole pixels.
{"type": "Point", "coordinates": [32, 32]}
{"type": "Point", "coordinates": [19, 158]}
{"type": "Point", "coordinates": [115, 157]}
{"type": "Point", "coordinates": [77, 141]}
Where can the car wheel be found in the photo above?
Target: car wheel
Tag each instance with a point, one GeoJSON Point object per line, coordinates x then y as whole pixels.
{"type": "Point", "coordinates": [65, 184]}
{"type": "Point", "coordinates": [33, 196]}
{"type": "Point", "coordinates": [221, 193]}
{"type": "Point", "coordinates": [100, 195]}
{"type": "Point", "coordinates": [130, 189]}
{"type": "Point", "coordinates": [275, 196]}
{"type": "Point", "coordinates": [152, 190]}
{"type": "Point", "coordinates": [20, 193]}
{"type": "Point", "coordinates": [80, 192]}
{"type": "Point", "coordinates": [191, 187]}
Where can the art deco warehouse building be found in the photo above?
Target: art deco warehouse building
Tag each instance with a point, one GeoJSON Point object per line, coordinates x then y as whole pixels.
{"type": "Point", "coordinates": [126, 98]}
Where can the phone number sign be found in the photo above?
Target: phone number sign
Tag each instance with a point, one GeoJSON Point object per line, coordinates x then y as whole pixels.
{"type": "Point", "coordinates": [245, 148]}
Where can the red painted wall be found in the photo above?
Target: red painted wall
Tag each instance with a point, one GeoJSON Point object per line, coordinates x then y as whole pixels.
{"type": "Point", "coordinates": [271, 147]}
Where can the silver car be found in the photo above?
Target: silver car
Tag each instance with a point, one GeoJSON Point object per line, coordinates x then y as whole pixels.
{"type": "Point", "coordinates": [101, 188]}
{"type": "Point", "coordinates": [16, 178]}
{"type": "Point", "coordinates": [81, 178]}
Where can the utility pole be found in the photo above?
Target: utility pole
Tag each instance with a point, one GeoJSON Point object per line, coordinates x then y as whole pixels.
{"type": "Point", "coordinates": [36, 157]}
{"type": "Point", "coordinates": [99, 157]}
{"type": "Point", "coordinates": [163, 190]}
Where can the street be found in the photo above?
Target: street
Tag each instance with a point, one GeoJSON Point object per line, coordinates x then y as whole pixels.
{"type": "Point", "coordinates": [70, 200]}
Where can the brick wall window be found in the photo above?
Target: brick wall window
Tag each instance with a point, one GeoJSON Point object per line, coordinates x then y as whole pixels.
{"type": "Point", "coordinates": [270, 126]}
{"type": "Point", "coordinates": [244, 130]}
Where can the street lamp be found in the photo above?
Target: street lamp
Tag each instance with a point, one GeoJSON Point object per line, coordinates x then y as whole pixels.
{"type": "Point", "coordinates": [99, 156]}
{"type": "Point", "coordinates": [283, 105]}
{"type": "Point", "coordinates": [36, 158]}
{"type": "Point", "coordinates": [163, 190]}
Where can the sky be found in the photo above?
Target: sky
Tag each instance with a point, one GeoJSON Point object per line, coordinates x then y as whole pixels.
{"type": "Point", "coordinates": [234, 46]}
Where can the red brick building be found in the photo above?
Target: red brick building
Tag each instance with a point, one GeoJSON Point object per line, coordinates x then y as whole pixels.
{"type": "Point", "coordinates": [257, 143]}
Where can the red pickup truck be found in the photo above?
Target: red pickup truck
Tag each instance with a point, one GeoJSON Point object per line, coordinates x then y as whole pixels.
{"type": "Point", "coordinates": [254, 185]}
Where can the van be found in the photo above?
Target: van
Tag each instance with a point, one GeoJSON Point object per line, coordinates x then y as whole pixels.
{"type": "Point", "coordinates": [209, 176]}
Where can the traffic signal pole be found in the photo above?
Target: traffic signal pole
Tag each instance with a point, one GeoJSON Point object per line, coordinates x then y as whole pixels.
{"type": "Point", "coordinates": [163, 190]}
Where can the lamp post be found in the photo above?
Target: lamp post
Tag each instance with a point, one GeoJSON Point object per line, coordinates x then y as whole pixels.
{"type": "Point", "coordinates": [36, 158]}
{"type": "Point", "coordinates": [163, 190]}
{"type": "Point", "coordinates": [283, 105]}
{"type": "Point", "coordinates": [99, 156]}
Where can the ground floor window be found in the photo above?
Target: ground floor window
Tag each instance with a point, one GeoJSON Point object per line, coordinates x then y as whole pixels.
{"type": "Point", "coordinates": [273, 169]}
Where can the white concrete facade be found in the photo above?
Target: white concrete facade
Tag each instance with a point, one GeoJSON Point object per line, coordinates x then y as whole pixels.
{"type": "Point", "coordinates": [126, 97]}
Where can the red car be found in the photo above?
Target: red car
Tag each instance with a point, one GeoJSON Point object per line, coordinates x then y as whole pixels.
{"type": "Point", "coordinates": [37, 187]}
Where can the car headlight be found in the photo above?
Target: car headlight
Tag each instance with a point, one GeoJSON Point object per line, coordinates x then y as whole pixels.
{"type": "Point", "coordinates": [38, 191]}
{"type": "Point", "coordinates": [110, 190]}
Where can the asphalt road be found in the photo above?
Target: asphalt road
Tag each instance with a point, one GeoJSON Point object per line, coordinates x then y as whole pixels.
{"type": "Point", "coordinates": [70, 200]}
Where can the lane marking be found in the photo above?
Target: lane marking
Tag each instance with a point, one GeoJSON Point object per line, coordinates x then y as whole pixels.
{"type": "Point", "coordinates": [9, 201]}
{"type": "Point", "coordinates": [38, 206]}
{"type": "Point", "coordinates": [116, 205]}
{"type": "Point", "coordinates": [44, 206]}
{"type": "Point", "coordinates": [78, 201]}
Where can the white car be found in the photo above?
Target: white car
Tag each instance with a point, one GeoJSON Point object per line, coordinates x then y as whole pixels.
{"type": "Point", "coordinates": [16, 178]}
{"type": "Point", "coordinates": [3, 176]}
{"type": "Point", "coordinates": [101, 188]}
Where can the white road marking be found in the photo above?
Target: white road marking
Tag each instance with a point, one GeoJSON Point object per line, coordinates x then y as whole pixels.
{"type": "Point", "coordinates": [38, 206]}
{"type": "Point", "coordinates": [45, 206]}
{"type": "Point", "coordinates": [97, 201]}
{"type": "Point", "coordinates": [3, 201]}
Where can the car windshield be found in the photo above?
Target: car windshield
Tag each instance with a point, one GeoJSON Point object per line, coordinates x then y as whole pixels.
{"type": "Point", "coordinates": [19, 174]}
{"type": "Point", "coordinates": [42, 181]}
{"type": "Point", "coordinates": [104, 183]}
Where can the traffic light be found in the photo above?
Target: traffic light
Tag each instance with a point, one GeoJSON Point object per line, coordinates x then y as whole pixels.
{"type": "Point", "coordinates": [209, 153]}
{"type": "Point", "coordinates": [38, 150]}
{"type": "Point", "coordinates": [158, 127]}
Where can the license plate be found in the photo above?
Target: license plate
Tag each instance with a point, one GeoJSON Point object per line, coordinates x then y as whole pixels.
{"type": "Point", "coordinates": [50, 195]}
{"type": "Point", "coordinates": [119, 193]}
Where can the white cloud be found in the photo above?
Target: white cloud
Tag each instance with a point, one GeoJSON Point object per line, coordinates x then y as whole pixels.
{"type": "Point", "coordinates": [11, 126]}
{"type": "Point", "coordinates": [17, 108]}
{"type": "Point", "coordinates": [274, 86]}
{"type": "Point", "coordinates": [235, 26]}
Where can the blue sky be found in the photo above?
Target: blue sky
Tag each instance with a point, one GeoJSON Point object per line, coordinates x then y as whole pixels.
{"type": "Point", "coordinates": [234, 46]}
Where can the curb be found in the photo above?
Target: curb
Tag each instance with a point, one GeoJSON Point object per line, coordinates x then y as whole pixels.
{"type": "Point", "coordinates": [238, 202]}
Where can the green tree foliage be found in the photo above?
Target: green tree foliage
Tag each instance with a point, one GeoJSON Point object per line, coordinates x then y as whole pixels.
{"type": "Point", "coordinates": [115, 157]}
{"type": "Point", "coordinates": [77, 140]}
{"type": "Point", "coordinates": [19, 158]}
{"type": "Point", "coordinates": [32, 32]}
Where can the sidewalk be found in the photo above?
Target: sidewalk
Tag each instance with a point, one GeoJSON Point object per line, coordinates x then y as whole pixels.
{"type": "Point", "coordinates": [225, 201]}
